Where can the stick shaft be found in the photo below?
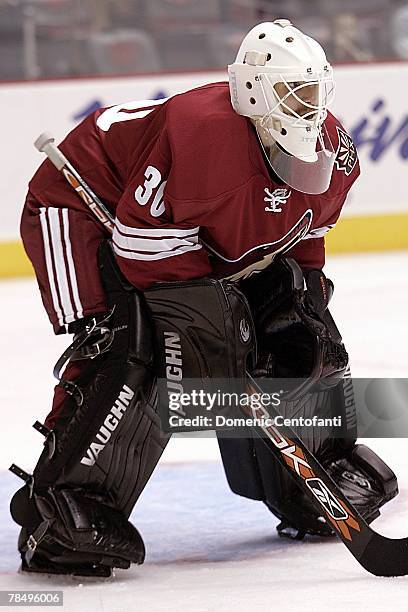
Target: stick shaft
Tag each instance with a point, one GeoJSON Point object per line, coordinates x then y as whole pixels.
{"type": "Point", "coordinates": [45, 144]}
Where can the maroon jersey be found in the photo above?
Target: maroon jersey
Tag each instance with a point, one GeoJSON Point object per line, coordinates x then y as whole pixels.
{"type": "Point", "coordinates": [192, 194]}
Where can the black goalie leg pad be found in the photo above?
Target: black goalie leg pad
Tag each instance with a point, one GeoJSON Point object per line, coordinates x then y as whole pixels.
{"type": "Point", "coordinates": [298, 339]}
{"type": "Point", "coordinates": [252, 472]}
{"type": "Point", "coordinates": [362, 476]}
{"type": "Point", "coordinates": [211, 321]}
{"type": "Point", "coordinates": [103, 449]}
{"type": "Point", "coordinates": [203, 331]}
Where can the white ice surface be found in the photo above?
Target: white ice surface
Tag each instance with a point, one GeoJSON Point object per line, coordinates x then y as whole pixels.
{"type": "Point", "coordinates": [206, 548]}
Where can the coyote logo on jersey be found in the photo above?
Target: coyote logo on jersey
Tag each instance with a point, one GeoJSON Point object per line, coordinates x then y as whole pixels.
{"type": "Point", "coordinates": [259, 257]}
{"type": "Point", "coordinates": [276, 199]}
{"type": "Point", "coordinates": [346, 156]}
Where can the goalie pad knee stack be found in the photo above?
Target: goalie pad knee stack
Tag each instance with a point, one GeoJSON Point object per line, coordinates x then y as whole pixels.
{"type": "Point", "coordinates": [203, 331]}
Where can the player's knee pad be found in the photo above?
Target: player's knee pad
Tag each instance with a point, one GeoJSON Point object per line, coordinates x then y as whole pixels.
{"type": "Point", "coordinates": [106, 441]}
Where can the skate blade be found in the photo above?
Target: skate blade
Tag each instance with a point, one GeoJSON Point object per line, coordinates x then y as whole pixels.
{"type": "Point", "coordinates": [92, 574]}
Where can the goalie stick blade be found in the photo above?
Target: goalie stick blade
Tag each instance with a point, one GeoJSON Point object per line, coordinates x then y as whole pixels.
{"type": "Point", "coordinates": [384, 556]}
{"type": "Point", "coordinates": [378, 554]}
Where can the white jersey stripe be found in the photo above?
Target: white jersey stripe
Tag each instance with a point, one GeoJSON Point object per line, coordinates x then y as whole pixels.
{"type": "Point", "coordinates": [71, 265]}
{"type": "Point", "coordinates": [60, 266]}
{"type": "Point", "coordinates": [156, 256]}
{"type": "Point", "coordinates": [153, 245]}
{"type": "Point", "coordinates": [48, 263]}
{"type": "Point", "coordinates": [155, 232]}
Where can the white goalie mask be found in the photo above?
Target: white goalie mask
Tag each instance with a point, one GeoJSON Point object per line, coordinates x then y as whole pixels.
{"type": "Point", "coordinates": [282, 80]}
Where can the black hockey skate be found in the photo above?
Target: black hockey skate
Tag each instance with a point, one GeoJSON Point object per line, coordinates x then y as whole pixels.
{"type": "Point", "coordinates": [43, 562]}
{"type": "Point", "coordinates": [68, 531]}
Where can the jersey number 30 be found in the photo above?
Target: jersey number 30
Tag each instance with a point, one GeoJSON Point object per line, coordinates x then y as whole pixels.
{"type": "Point", "coordinates": [144, 193]}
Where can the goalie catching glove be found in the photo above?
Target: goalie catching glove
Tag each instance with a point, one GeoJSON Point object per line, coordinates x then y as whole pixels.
{"type": "Point", "coordinates": [297, 336]}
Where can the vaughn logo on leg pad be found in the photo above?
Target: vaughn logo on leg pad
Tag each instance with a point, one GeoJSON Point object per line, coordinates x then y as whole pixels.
{"type": "Point", "coordinates": [174, 363]}
{"type": "Point", "coordinates": [109, 425]}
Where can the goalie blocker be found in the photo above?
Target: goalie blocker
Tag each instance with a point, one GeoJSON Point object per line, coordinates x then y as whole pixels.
{"type": "Point", "coordinates": [298, 339]}
{"type": "Point", "coordinates": [74, 508]}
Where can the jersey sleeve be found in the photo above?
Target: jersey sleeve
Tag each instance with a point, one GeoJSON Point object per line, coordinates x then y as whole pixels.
{"type": "Point", "coordinates": [310, 252]}
{"type": "Point", "coordinates": [62, 244]}
{"type": "Point", "coordinates": [60, 235]}
{"type": "Point", "coordinates": [168, 200]}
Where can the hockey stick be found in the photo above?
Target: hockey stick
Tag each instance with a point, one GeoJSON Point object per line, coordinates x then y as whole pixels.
{"type": "Point", "coordinates": [378, 554]}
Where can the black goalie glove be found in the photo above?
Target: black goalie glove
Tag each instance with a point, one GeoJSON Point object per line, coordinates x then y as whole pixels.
{"type": "Point", "coordinates": [297, 337]}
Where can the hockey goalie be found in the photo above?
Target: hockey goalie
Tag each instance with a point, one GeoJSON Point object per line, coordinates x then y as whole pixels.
{"type": "Point", "coordinates": [221, 196]}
